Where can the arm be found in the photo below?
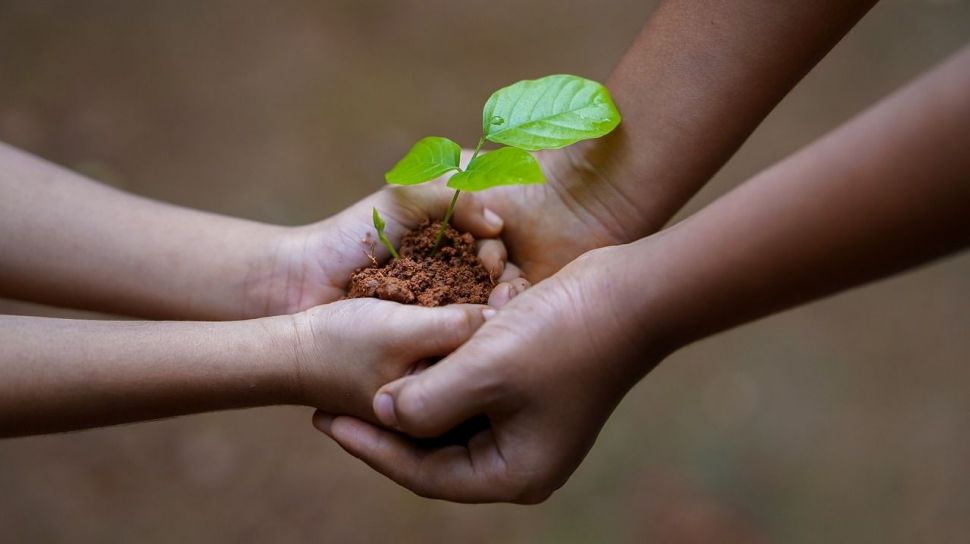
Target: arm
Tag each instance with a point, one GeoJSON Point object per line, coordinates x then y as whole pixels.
{"type": "Point", "coordinates": [692, 87]}
{"type": "Point", "coordinates": [886, 192]}
{"type": "Point", "coordinates": [60, 374]}
{"type": "Point", "coordinates": [889, 190]}
{"type": "Point", "coordinates": [72, 242]}
{"type": "Point", "coordinates": [69, 241]}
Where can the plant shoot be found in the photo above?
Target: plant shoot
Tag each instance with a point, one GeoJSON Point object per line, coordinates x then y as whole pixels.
{"type": "Point", "coordinates": [546, 113]}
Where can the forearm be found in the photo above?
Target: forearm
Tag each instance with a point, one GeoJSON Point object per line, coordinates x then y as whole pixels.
{"type": "Point", "coordinates": [59, 374]}
{"type": "Point", "coordinates": [889, 190]}
{"type": "Point", "coordinates": [693, 86]}
{"type": "Point", "coordinates": [69, 241]}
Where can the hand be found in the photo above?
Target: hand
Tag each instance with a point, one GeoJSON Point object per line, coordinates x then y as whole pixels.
{"type": "Point", "coordinates": [307, 266]}
{"type": "Point", "coordinates": [578, 209]}
{"type": "Point", "coordinates": [547, 371]}
{"type": "Point", "coordinates": [346, 350]}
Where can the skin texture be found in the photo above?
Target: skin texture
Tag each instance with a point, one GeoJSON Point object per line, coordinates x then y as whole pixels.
{"type": "Point", "coordinates": [69, 241]}
{"type": "Point", "coordinates": [693, 85]}
{"type": "Point", "coordinates": [61, 374]}
{"type": "Point", "coordinates": [885, 192]}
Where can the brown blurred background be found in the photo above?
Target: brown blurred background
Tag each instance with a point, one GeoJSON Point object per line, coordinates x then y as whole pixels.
{"type": "Point", "coordinates": [846, 420]}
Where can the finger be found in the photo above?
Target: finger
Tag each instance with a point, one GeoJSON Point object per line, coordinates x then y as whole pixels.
{"type": "Point", "coordinates": [453, 473]}
{"type": "Point", "coordinates": [473, 217]}
{"type": "Point", "coordinates": [500, 295]}
{"type": "Point", "coordinates": [440, 398]}
{"type": "Point", "coordinates": [505, 292]}
{"type": "Point", "coordinates": [419, 367]}
{"type": "Point", "coordinates": [492, 254]}
{"type": "Point", "coordinates": [510, 273]}
{"type": "Point", "coordinates": [430, 332]}
{"type": "Point", "coordinates": [519, 285]}
{"type": "Point", "coordinates": [322, 421]}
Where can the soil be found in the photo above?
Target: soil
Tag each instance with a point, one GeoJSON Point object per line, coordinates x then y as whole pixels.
{"type": "Point", "coordinates": [453, 275]}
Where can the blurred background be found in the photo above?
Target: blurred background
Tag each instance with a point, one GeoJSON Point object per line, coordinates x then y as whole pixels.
{"type": "Point", "coordinates": [846, 420]}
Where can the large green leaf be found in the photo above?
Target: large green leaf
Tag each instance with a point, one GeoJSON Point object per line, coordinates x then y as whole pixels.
{"type": "Point", "coordinates": [504, 166]}
{"type": "Point", "coordinates": [428, 159]}
{"type": "Point", "coordinates": [548, 113]}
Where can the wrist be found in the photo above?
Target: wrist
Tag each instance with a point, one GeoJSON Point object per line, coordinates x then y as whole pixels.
{"type": "Point", "coordinates": [266, 272]}
{"type": "Point", "coordinates": [208, 270]}
{"type": "Point", "coordinates": [648, 296]}
{"type": "Point", "coordinates": [271, 351]}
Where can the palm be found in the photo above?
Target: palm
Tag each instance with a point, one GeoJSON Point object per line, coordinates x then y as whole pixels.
{"type": "Point", "coordinates": [547, 371]}
{"type": "Point", "coordinates": [312, 265]}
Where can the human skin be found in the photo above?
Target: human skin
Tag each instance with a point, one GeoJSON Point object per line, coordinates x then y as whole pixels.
{"type": "Point", "coordinates": [887, 191]}
{"type": "Point", "coordinates": [63, 374]}
{"type": "Point", "coordinates": [69, 241]}
{"type": "Point", "coordinates": [692, 87]}
{"type": "Point", "coordinates": [700, 76]}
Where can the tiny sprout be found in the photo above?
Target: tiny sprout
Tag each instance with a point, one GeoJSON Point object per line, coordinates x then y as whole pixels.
{"type": "Point", "coordinates": [379, 225]}
{"type": "Point", "coordinates": [546, 113]}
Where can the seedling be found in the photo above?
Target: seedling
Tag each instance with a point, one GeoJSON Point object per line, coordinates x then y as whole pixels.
{"type": "Point", "coordinates": [379, 225]}
{"type": "Point", "coordinates": [546, 113]}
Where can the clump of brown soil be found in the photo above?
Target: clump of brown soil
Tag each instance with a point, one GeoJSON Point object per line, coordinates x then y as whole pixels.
{"type": "Point", "coordinates": [453, 275]}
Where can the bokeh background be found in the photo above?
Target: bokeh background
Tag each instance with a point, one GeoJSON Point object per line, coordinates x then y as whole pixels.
{"type": "Point", "coordinates": [847, 420]}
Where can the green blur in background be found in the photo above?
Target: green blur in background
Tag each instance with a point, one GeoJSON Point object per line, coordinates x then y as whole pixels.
{"type": "Point", "coordinates": [843, 421]}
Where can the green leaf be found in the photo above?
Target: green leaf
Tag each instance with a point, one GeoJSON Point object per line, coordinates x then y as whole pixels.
{"type": "Point", "coordinates": [548, 113]}
{"type": "Point", "coordinates": [379, 225]}
{"type": "Point", "coordinates": [378, 222]}
{"type": "Point", "coordinates": [504, 166]}
{"type": "Point", "coordinates": [428, 159]}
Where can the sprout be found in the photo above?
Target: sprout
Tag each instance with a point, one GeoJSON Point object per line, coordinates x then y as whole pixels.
{"type": "Point", "coordinates": [379, 225]}
{"type": "Point", "coordinates": [546, 113]}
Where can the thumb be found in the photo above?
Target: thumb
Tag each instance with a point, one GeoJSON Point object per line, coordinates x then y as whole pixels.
{"type": "Point", "coordinates": [437, 400]}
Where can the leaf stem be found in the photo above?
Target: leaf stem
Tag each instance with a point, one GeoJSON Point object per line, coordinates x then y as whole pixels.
{"type": "Point", "coordinates": [388, 245]}
{"type": "Point", "coordinates": [454, 200]}
{"type": "Point", "coordinates": [444, 223]}
{"type": "Point", "coordinates": [478, 148]}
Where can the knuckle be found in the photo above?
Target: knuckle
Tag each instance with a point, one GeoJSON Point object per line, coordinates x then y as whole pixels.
{"type": "Point", "coordinates": [412, 403]}
{"type": "Point", "coordinates": [536, 492]}
{"type": "Point", "coordinates": [534, 496]}
{"type": "Point", "coordinates": [460, 325]}
{"type": "Point", "coordinates": [421, 489]}
{"type": "Point", "coordinates": [532, 486]}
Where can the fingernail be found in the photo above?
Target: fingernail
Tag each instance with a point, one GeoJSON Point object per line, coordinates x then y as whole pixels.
{"type": "Point", "coordinates": [493, 219]}
{"type": "Point", "coordinates": [488, 313]}
{"type": "Point", "coordinates": [384, 408]}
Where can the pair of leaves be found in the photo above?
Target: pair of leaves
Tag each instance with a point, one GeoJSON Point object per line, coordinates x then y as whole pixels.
{"type": "Point", "coordinates": [547, 113]}
{"type": "Point", "coordinates": [434, 156]}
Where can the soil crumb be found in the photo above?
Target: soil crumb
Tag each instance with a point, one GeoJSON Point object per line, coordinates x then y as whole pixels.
{"type": "Point", "coordinates": [454, 275]}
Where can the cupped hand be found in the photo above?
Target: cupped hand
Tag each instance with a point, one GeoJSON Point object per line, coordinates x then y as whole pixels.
{"type": "Point", "coordinates": [547, 371]}
{"type": "Point", "coordinates": [307, 266]}
{"type": "Point", "coordinates": [344, 351]}
{"type": "Point", "coordinates": [578, 209]}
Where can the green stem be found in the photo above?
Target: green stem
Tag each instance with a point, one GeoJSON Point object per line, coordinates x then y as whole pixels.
{"type": "Point", "coordinates": [388, 245]}
{"type": "Point", "coordinates": [477, 149]}
{"type": "Point", "coordinates": [444, 223]}
{"type": "Point", "coordinates": [454, 200]}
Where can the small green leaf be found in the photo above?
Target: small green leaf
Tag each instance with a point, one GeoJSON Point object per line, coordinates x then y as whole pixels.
{"type": "Point", "coordinates": [504, 166]}
{"type": "Point", "coordinates": [379, 225]}
{"type": "Point", "coordinates": [428, 159]}
{"type": "Point", "coordinates": [549, 113]}
{"type": "Point", "coordinates": [378, 222]}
